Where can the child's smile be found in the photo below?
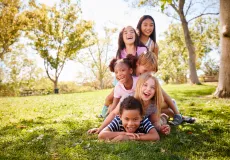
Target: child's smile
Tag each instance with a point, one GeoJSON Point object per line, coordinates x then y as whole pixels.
{"type": "Point", "coordinates": [131, 120]}
{"type": "Point", "coordinates": [148, 89]}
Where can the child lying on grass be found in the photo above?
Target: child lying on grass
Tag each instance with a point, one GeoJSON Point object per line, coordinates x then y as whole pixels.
{"type": "Point", "coordinates": [130, 125]}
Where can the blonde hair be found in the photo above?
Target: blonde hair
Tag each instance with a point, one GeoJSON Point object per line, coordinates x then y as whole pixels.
{"type": "Point", "coordinates": [157, 99]}
{"type": "Point", "coordinates": [149, 60]}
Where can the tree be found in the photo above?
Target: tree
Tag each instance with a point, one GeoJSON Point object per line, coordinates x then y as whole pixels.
{"type": "Point", "coordinates": [10, 24]}
{"type": "Point", "coordinates": [96, 58]}
{"type": "Point", "coordinates": [184, 12]}
{"type": "Point", "coordinates": [174, 56]}
{"type": "Point", "coordinates": [223, 88]}
{"type": "Point", "coordinates": [19, 70]}
{"type": "Point", "coordinates": [58, 34]}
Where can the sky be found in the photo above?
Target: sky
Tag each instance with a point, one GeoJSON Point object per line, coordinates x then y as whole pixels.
{"type": "Point", "coordinates": [110, 13]}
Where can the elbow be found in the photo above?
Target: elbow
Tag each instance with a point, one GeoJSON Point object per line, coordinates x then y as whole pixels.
{"type": "Point", "coordinates": [157, 138]}
{"type": "Point", "coordinates": [101, 136]}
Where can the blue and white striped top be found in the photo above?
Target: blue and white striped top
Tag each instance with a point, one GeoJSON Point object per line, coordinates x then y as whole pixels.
{"type": "Point", "coordinates": [116, 125]}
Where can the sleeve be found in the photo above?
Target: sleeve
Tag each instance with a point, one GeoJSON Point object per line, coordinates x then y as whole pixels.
{"type": "Point", "coordinates": [147, 125]}
{"type": "Point", "coordinates": [140, 50]}
{"type": "Point", "coordinates": [117, 91]}
{"type": "Point", "coordinates": [114, 125]}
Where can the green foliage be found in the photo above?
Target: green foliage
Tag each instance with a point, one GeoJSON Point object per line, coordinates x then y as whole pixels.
{"type": "Point", "coordinates": [173, 59]}
{"type": "Point", "coordinates": [210, 67]}
{"type": "Point", "coordinates": [54, 127]}
{"type": "Point", "coordinates": [58, 34]}
{"type": "Point", "coordinates": [98, 56]}
{"type": "Point", "coordinates": [10, 24]}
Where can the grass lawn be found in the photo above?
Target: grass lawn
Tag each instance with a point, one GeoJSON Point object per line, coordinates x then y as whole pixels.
{"type": "Point", "coordinates": [54, 127]}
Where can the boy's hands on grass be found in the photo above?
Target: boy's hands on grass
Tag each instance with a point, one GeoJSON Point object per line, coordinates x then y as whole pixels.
{"type": "Point", "coordinates": [127, 136]}
{"type": "Point", "coordinates": [93, 131]}
{"type": "Point", "coordinates": [165, 129]}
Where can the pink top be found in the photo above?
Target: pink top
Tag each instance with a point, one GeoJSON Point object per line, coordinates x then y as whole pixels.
{"type": "Point", "coordinates": [139, 51]}
{"type": "Point", "coordinates": [120, 90]}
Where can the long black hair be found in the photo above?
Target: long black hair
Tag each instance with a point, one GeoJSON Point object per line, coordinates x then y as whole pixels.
{"type": "Point", "coordinates": [153, 35]}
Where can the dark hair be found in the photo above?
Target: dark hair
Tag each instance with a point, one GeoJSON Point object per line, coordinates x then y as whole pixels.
{"type": "Point", "coordinates": [130, 61]}
{"type": "Point", "coordinates": [121, 43]}
{"type": "Point", "coordinates": [131, 103]}
{"type": "Point", "coordinates": [153, 35]}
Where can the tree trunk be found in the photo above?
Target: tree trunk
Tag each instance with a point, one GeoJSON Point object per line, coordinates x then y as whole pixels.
{"type": "Point", "coordinates": [223, 89]}
{"type": "Point", "coordinates": [192, 55]}
{"type": "Point", "coordinates": [56, 90]}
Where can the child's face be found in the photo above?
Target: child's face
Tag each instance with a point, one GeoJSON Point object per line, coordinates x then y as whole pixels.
{"type": "Point", "coordinates": [129, 35]}
{"type": "Point", "coordinates": [148, 90]}
{"type": "Point", "coordinates": [147, 27]}
{"type": "Point", "coordinates": [122, 72]}
{"type": "Point", "coordinates": [140, 69]}
{"type": "Point", "coordinates": [131, 120]}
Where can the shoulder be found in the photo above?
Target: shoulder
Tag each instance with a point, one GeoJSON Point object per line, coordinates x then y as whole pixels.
{"type": "Point", "coordinates": [155, 48]}
{"type": "Point", "coordinates": [147, 125]}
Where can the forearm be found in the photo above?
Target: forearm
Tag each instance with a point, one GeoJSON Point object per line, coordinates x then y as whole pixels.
{"type": "Point", "coordinates": [108, 135]}
{"type": "Point", "coordinates": [106, 122]}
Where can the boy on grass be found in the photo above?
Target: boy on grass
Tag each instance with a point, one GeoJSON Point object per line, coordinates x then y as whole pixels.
{"type": "Point", "coordinates": [130, 124]}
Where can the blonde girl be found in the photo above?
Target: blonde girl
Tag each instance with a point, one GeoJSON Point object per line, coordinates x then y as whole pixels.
{"type": "Point", "coordinates": [149, 93]}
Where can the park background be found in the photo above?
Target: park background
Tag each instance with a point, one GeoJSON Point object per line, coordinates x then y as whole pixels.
{"type": "Point", "coordinates": [37, 124]}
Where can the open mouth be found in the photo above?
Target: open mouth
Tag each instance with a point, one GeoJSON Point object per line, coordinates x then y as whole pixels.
{"type": "Point", "coordinates": [129, 38]}
{"type": "Point", "coordinates": [146, 95]}
{"type": "Point", "coordinates": [130, 129]}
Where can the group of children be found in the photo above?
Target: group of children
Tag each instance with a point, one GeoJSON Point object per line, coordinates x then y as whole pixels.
{"type": "Point", "coordinates": [137, 108]}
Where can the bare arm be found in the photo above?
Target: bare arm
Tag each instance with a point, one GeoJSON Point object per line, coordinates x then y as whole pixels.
{"type": "Point", "coordinates": [151, 136]}
{"type": "Point", "coordinates": [114, 104]}
{"type": "Point", "coordinates": [107, 134]}
{"type": "Point", "coordinates": [155, 49]}
{"type": "Point", "coordinates": [109, 118]}
{"type": "Point", "coordinates": [155, 120]}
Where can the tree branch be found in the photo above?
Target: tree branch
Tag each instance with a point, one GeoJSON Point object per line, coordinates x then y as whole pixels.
{"type": "Point", "coordinates": [189, 6]}
{"type": "Point", "coordinates": [202, 15]}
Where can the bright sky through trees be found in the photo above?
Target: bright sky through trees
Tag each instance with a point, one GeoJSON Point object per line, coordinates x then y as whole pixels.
{"type": "Point", "coordinates": [109, 13]}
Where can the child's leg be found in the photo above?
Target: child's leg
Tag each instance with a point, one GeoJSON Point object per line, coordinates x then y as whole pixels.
{"type": "Point", "coordinates": [109, 98]}
{"type": "Point", "coordinates": [169, 103]}
{"type": "Point", "coordinates": [108, 101]}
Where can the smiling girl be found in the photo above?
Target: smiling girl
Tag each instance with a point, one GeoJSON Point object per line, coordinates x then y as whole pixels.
{"type": "Point", "coordinates": [147, 33]}
{"type": "Point", "coordinates": [123, 69]}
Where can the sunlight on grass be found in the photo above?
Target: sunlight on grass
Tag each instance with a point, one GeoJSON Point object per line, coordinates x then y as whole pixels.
{"type": "Point", "coordinates": [54, 127]}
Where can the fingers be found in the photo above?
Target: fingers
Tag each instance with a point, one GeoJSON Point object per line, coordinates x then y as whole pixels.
{"type": "Point", "coordinates": [134, 136]}
{"type": "Point", "coordinates": [165, 129]}
{"type": "Point", "coordinates": [94, 130]}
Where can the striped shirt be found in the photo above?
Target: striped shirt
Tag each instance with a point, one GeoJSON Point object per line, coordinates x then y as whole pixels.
{"type": "Point", "coordinates": [116, 125]}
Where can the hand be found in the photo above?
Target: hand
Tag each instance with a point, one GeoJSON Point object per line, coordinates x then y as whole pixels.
{"type": "Point", "coordinates": [93, 131]}
{"type": "Point", "coordinates": [165, 129]}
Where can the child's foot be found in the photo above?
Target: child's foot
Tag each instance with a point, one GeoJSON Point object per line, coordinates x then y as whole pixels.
{"type": "Point", "coordinates": [104, 112]}
{"type": "Point", "coordinates": [188, 119]}
{"type": "Point", "coordinates": [177, 119]}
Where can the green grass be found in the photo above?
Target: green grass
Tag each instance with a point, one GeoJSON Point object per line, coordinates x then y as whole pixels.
{"type": "Point", "coordinates": [54, 127]}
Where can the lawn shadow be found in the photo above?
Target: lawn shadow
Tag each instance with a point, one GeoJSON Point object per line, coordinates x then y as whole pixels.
{"type": "Point", "coordinates": [30, 139]}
